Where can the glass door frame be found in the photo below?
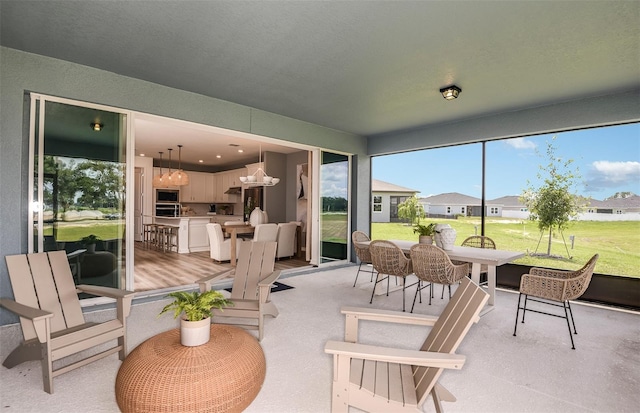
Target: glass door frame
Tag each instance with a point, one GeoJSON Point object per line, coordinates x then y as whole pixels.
{"type": "Point", "coordinates": [37, 110]}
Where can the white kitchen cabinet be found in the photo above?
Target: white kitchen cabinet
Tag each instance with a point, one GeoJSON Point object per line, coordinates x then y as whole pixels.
{"type": "Point", "coordinates": [201, 188]}
{"type": "Point", "coordinates": [198, 237]}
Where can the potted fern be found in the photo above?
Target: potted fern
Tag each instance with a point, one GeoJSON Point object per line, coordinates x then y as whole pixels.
{"type": "Point", "coordinates": [195, 325]}
{"type": "Point", "coordinates": [425, 232]}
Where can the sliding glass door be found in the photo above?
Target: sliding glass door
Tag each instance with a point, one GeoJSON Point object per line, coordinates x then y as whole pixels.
{"type": "Point", "coordinates": [77, 187]}
{"type": "Point", "coordinates": [334, 207]}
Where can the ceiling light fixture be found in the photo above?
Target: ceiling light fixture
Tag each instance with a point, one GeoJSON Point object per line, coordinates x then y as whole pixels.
{"type": "Point", "coordinates": [96, 126]}
{"type": "Point", "coordinates": [180, 177]}
{"type": "Point", "coordinates": [259, 177]}
{"type": "Point", "coordinates": [158, 181]}
{"type": "Point", "coordinates": [167, 178]}
{"type": "Point", "coordinates": [450, 92]}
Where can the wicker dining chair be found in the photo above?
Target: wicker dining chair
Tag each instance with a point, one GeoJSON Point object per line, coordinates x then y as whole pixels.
{"type": "Point", "coordinates": [433, 266]}
{"type": "Point", "coordinates": [363, 253]}
{"type": "Point", "coordinates": [552, 286]}
{"type": "Point", "coordinates": [389, 260]}
{"type": "Point", "coordinates": [477, 241]}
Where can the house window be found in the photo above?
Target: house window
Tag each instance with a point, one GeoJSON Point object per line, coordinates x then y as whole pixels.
{"type": "Point", "coordinates": [462, 210]}
{"type": "Point", "coordinates": [377, 203]}
{"type": "Point", "coordinates": [448, 210]}
{"type": "Point", "coordinates": [494, 211]}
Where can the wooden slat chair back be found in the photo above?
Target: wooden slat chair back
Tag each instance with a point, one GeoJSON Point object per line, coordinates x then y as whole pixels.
{"type": "Point", "coordinates": [374, 378]}
{"type": "Point", "coordinates": [51, 318]}
{"type": "Point", "coordinates": [251, 290]}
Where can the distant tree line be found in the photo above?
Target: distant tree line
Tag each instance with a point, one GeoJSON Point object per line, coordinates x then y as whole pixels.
{"type": "Point", "coordinates": [334, 204]}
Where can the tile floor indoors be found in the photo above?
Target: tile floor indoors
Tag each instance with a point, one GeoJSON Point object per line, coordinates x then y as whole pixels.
{"type": "Point", "coordinates": [534, 372]}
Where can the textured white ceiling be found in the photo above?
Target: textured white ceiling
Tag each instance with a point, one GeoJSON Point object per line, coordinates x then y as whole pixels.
{"type": "Point", "coordinates": [358, 66]}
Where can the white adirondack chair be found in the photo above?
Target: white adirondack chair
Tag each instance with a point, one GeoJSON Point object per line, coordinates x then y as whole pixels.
{"type": "Point", "coordinates": [53, 326]}
{"type": "Point", "coordinates": [374, 378]}
{"type": "Point", "coordinates": [251, 290]}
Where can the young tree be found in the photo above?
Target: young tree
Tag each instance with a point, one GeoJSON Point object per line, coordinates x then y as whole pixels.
{"type": "Point", "coordinates": [553, 205]}
{"type": "Point", "coordinates": [411, 210]}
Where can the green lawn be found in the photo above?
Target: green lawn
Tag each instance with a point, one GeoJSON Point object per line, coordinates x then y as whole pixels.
{"type": "Point", "coordinates": [618, 243]}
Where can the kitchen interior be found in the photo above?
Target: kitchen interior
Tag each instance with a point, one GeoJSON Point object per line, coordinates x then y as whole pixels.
{"type": "Point", "coordinates": [216, 161]}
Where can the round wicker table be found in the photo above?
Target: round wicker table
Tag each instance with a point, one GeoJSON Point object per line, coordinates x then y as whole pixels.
{"type": "Point", "coordinates": [161, 375]}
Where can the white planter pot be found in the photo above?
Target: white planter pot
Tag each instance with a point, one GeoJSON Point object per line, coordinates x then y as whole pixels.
{"type": "Point", "coordinates": [425, 239]}
{"type": "Point", "coordinates": [437, 238]}
{"type": "Point", "coordinates": [448, 238]}
{"type": "Point", "coordinates": [195, 333]}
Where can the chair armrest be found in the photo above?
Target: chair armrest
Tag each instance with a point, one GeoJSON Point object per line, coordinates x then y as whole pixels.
{"type": "Point", "coordinates": [394, 355]}
{"type": "Point", "coordinates": [25, 311]}
{"type": "Point", "coordinates": [354, 314]}
{"type": "Point", "coordinates": [105, 291]}
{"type": "Point", "coordinates": [270, 279]}
{"type": "Point", "coordinates": [398, 317]}
{"type": "Point", "coordinates": [205, 283]}
{"type": "Point", "coordinates": [41, 319]}
{"type": "Point", "coordinates": [550, 288]}
{"type": "Point", "coordinates": [546, 272]}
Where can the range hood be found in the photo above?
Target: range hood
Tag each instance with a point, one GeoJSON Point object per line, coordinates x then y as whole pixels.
{"type": "Point", "coordinates": [234, 190]}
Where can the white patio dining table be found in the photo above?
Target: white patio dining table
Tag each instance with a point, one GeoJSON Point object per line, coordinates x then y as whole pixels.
{"type": "Point", "coordinates": [477, 257]}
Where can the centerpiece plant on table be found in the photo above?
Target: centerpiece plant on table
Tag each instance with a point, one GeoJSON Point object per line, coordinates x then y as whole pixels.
{"type": "Point", "coordinates": [425, 232]}
{"type": "Point", "coordinates": [197, 309]}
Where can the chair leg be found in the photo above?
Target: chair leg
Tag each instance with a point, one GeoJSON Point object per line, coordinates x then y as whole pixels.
{"type": "Point", "coordinates": [374, 286]}
{"type": "Point", "coordinates": [524, 308]}
{"type": "Point", "coordinates": [358, 273]}
{"type": "Point", "coordinates": [566, 316]}
{"type": "Point", "coordinates": [573, 320]}
{"type": "Point", "coordinates": [515, 327]}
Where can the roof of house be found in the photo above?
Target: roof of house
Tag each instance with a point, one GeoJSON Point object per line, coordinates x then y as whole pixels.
{"type": "Point", "coordinates": [508, 201]}
{"type": "Point", "coordinates": [629, 202]}
{"type": "Point", "coordinates": [451, 198]}
{"type": "Point", "coordinates": [381, 186]}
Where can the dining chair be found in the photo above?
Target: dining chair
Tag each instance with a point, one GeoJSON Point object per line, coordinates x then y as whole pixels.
{"type": "Point", "coordinates": [363, 253]}
{"type": "Point", "coordinates": [552, 287]}
{"type": "Point", "coordinates": [432, 265]}
{"type": "Point", "coordinates": [389, 261]}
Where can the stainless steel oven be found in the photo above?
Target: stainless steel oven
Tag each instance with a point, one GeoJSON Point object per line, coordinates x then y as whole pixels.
{"type": "Point", "coordinates": [167, 210]}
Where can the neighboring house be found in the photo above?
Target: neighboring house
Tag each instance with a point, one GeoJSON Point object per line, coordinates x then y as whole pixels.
{"type": "Point", "coordinates": [511, 207]}
{"type": "Point", "coordinates": [450, 204]}
{"type": "Point", "coordinates": [616, 209]}
{"type": "Point", "coordinates": [385, 200]}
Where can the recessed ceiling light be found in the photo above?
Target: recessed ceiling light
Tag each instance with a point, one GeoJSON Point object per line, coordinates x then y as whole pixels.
{"type": "Point", "coordinates": [218, 156]}
{"type": "Point", "coordinates": [200, 160]}
{"type": "Point", "coordinates": [142, 154]}
{"type": "Point", "coordinates": [240, 150]}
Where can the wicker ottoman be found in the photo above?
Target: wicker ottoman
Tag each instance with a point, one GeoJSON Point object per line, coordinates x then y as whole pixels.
{"type": "Point", "coordinates": [161, 375]}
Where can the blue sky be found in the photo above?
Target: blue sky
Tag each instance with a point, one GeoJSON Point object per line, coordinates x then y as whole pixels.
{"type": "Point", "coordinates": [607, 159]}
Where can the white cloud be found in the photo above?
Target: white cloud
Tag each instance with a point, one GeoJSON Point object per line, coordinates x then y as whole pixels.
{"type": "Point", "coordinates": [607, 174]}
{"type": "Point", "coordinates": [520, 143]}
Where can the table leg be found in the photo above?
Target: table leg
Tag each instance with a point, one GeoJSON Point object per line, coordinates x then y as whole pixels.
{"type": "Point", "coordinates": [232, 247]}
{"type": "Point", "coordinates": [491, 282]}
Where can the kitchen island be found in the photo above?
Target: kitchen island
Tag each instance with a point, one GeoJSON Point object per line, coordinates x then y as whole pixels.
{"type": "Point", "coordinates": [192, 230]}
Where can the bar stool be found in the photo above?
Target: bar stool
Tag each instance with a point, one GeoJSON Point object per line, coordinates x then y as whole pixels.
{"type": "Point", "coordinates": [170, 237]}
{"type": "Point", "coordinates": [148, 234]}
{"type": "Point", "coordinates": [159, 236]}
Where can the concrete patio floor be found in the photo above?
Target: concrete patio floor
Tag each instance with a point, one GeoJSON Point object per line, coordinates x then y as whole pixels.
{"type": "Point", "coordinates": [537, 371]}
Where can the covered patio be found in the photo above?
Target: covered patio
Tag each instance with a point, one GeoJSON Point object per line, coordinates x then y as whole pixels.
{"type": "Point", "coordinates": [534, 372]}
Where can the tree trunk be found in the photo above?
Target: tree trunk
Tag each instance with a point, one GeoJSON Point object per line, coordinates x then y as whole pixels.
{"type": "Point", "coordinates": [549, 246]}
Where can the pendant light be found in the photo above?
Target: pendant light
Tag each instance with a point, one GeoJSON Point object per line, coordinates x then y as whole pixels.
{"type": "Point", "coordinates": [259, 177]}
{"type": "Point", "coordinates": [167, 178]}
{"type": "Point", "coordinates": [158, 181]}
{"type": "Point", "coordinates": [180, 177]}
